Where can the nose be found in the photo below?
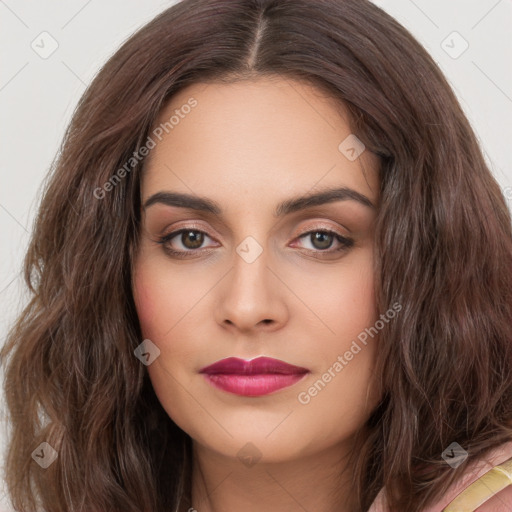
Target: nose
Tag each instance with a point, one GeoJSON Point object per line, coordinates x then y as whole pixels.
{"type": "Point", "coordinates": [252, 297]}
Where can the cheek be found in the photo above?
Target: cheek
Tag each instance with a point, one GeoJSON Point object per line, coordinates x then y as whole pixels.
{"type": "Point", "coordinates": [147, 296]}
{"type": "Point", "coordinates": [170, 373]}
{"type": "Point", "coordinates": [163, 295]}
{"type": "Point", "coordinates": [346, 302]}
{"type": "Point", "coordinates": [356, 305]}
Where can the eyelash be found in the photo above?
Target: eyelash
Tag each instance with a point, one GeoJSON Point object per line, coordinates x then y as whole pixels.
{"type": "Point", "coordinates": [345, 243]}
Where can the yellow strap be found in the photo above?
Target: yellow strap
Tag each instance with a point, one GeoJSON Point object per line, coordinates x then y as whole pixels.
{"type": "Point", "coordinates": [482, 489]}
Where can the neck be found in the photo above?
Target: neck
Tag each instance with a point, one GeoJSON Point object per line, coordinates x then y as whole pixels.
{"type": "Point", "coordinates": [320, 482]}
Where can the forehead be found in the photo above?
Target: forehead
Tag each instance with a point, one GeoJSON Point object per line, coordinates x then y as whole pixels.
{"type": "Point", "coordinates": [255, 137]}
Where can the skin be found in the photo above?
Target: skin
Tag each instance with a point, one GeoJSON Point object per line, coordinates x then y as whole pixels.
{"type": "Point", "coordinates": [248, 146]}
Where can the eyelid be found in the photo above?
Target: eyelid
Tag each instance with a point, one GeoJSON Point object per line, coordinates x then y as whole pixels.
{"type": "Point", "coordinates": [319, 225]}
{"type": "Point", "coordinates": [191, 225]}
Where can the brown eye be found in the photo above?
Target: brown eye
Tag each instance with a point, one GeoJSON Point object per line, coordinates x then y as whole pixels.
{"type": "Point", "coordinates": [321, 240]}
{"type": "Point", "coordinates": [192, 239]}
{"type": "Point", "coordinates": [184, 243]}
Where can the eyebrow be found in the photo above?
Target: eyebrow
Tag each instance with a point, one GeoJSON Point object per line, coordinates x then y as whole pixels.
{"type": "Point", "coordinates": [286, 207]}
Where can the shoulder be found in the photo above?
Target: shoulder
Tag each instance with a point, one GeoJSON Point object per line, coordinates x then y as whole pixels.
{"type": "Point", "coordinates": [500, 502]}
{"type": "Point", "coordinates": [487, 482]}
{"type": "Point", "coordinates": [490, 488]}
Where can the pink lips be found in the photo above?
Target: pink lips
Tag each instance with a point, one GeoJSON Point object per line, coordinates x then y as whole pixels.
{"type": "Point", "coordinates": [257, 377]}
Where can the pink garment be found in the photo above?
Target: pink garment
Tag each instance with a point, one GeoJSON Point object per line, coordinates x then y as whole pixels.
{"type": "Point", "coordinates": [500, 502]}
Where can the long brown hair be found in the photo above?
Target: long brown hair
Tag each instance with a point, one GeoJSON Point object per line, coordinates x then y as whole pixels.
{"type": "Point", "coordinates": [443, 250]}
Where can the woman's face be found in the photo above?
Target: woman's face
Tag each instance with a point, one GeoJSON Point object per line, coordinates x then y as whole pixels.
{"type": "Point", "coordinates": [258, 271]}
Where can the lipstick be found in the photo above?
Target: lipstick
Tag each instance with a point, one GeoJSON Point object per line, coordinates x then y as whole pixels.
{"type": "Point", "coordinates": [257, 377]}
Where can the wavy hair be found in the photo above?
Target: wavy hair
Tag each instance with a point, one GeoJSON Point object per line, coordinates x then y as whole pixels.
{"type": "Point", "coordinates": [443, 250]}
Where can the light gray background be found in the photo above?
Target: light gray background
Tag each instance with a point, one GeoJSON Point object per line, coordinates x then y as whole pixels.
{"type": "Point", "coordinates": [38, 95]}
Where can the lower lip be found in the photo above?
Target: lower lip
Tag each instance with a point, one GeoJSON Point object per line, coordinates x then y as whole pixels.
{"type": "Point", "coordinates": [253, 385]}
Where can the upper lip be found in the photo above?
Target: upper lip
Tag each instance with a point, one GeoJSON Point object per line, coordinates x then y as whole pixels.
{"type": "Point", "coordinates": [258, 366]}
